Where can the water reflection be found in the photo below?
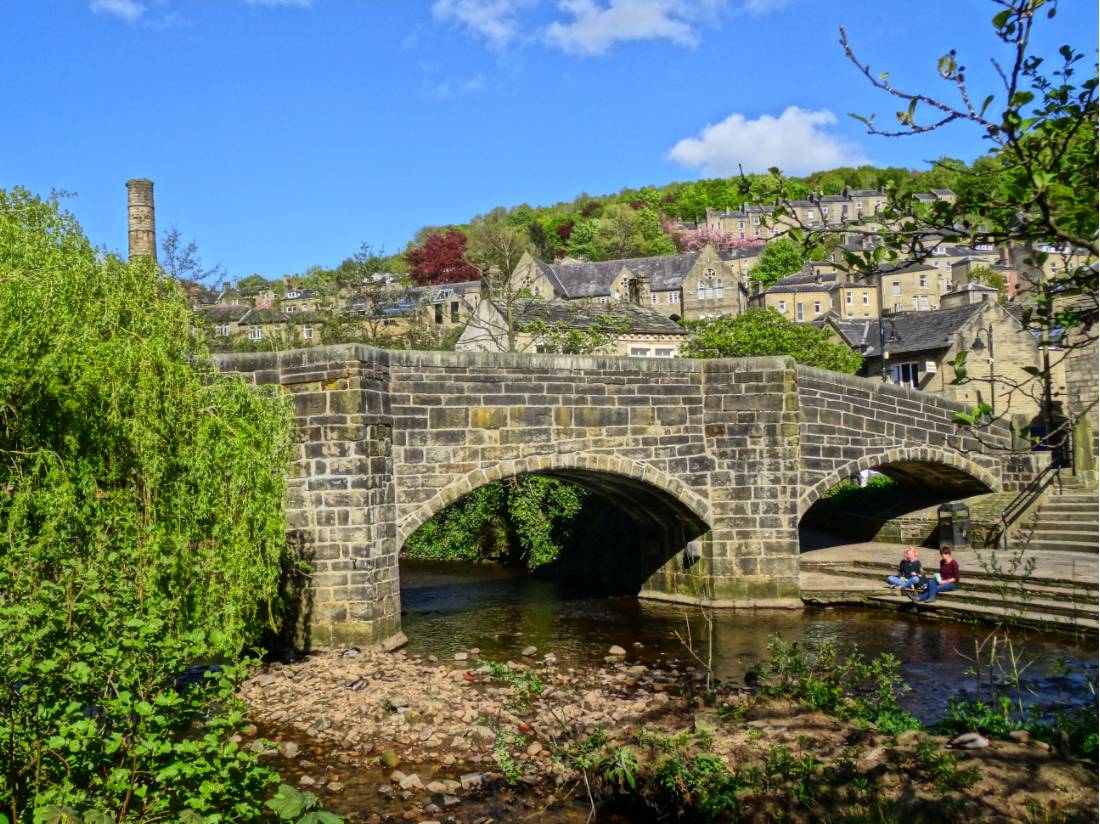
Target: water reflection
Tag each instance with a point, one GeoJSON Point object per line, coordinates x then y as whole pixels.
{"type": "Point", "coordinates": [449, 607]}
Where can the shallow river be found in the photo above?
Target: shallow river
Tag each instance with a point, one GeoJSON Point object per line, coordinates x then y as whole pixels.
{"type": "Point", "coordinates": [450, 607]}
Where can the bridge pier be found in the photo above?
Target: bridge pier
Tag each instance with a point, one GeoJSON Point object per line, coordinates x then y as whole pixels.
{"type": "Point", "coordinates": [722, 455]}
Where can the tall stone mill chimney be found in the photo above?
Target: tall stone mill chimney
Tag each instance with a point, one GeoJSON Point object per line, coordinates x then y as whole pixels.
{"type": "Point", "coordinates": [141, 219]}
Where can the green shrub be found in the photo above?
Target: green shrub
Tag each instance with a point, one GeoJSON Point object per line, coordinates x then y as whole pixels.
{"type": "Point", "coordinates": [141, 501]}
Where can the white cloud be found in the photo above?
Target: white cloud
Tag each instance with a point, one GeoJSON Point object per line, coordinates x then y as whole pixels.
{"type": "Point", "coordinates": [449, 89]}
{"type": "Point", "coordinates": [758, 7]}
{"type": "Point", "coordinates": [495, 20]}
{"type": "Point", "coordinates": [596, 27]}
{"type": "Point", "coordinates": [796, 141]}
{"type": "Point", "coordinates": [128, 10]}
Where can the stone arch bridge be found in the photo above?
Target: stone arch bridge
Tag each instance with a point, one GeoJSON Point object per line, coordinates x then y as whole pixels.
{"type": "Point", "coordinates": [726, 455]}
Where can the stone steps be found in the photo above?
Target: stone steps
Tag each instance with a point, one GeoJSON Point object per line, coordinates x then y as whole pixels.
{"type": "Point", "coordinates": [880, 569]}
{"type": "Point", "coordinates": [985, 585]}
{"type": "Point", "coordinates": [1068, 521]}
{"type": "Point", "coordinates": [966, 610]}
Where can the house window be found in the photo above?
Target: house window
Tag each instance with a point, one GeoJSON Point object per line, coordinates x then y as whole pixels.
{"type": "Point", "coordinates": [905, 374]}
{"type": "Point", "coordinates": [810, 215]}
{"type": "Point", "coordinates": [895, 287]}
{"type": "Point", "coordinates": [673, 297]}
{"type": "Point", "coordinates": [866, 298]}
{"type": "Point", "coordinates": [897, 307]}
{"type": "Point", "coordinates": [221, 331]}
{"type": "Point", "coordinates": [639, 352]}
{"type": "Point", "coordinates": [439, 313]}
{"type": "Point", "coordinates": [824, 211]}
{"type": "Point", "coordinates": [757, 233]}
{"type": "Point", "coordinates": [718, 289]}
{"type": "Point", "coordinates": [255, 333]}
{"type": "Point", "coordinates": [702, 290]}
{"type": "Point", "coordinates": [817, 307]}
{"type": "Point", "coordinates": [741, 225]}
{"type": "Point", "coordinates": [799, 314]}
{"type": "Point", "coordinates": [307, 333]}
{"type": "Point", "coordinates": [654, 298]}
{"type": "Point", "coordinates": [924, 281]}
{"type": "Point", "coordinates": [916, 305]}
{"type": "Point", "coordinates": [602, 299]}
{"type": "Point", "coordinates": [782, 307]}
{"type": "Point", "coordinates": [454, 311]}
{"type": "Point", "coordinates": [922, 302]}
{"type": "Point", "coordinates": [663, 353]}
{"type": "Point", "coordinates": [848, 298]}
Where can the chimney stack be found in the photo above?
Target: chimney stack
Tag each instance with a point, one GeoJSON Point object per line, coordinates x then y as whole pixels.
{"type": "Point", "coordinates": [642, 291]}
{"type": "Point", "coordinates": [140, 218]}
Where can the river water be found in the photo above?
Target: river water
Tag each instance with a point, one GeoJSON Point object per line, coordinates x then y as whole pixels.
{"type": "Point", "coordinates": [450, 607]}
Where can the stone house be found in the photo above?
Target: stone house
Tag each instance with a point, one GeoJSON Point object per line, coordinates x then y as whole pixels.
{"type": "Point", "coordinates": [298, 328]}
{"type": "Point", "coordinates": [967, 294]}
{"type": "Point", "coordinates": [223, 319]}
{"type": "Point", "coordinates": [644, 332]}
{"type": "Point", "coordinates": [920, 346]}
{"type": "Point", "coordinates": [301, 300]}
{"type": "Point", "coordinates": [689, 286]}
{"type": "Point", "coordinates": [853, 300]}
{"type": "Point", "coordinates": [801, 297]}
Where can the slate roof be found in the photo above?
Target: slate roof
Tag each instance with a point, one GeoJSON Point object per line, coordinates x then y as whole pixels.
{"type": "Point", "coordinates": [924, 331]}
{"type": "Point", "coordinates": [819, 278]}
{"type": "Point", "coordinates": [847, 284]}
{"type": "Point", "coordinates": [581, 315]}
{"type": "Point", "coordinates": [579, 280]}
{"type": "Point", "coordinates": [795, 288]}
{"type": "Point", "coordinates": [855, 333]}
{"type": "Point", "coordinates": [971, 287]}
{"type": "Point", "coordinates": [255, 317]}
{"type": "Point", "coordinates": [223, 314]}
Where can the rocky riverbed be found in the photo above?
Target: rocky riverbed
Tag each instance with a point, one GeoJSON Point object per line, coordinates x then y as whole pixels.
{"type": "Point", "coordinates": [393, 737]}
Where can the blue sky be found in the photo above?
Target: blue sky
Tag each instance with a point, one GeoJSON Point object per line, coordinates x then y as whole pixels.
{"type": "Point", "coordinates": [282, 133]}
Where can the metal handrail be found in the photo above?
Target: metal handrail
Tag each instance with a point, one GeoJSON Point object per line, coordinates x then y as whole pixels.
{"type": "Point", "coordinates": [1025, 498]}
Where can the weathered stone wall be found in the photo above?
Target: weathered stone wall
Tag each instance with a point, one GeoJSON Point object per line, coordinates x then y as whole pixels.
{"type": "Point", "coordinates": [848, 424]}
{"type": "Point", "coordinates": [724, 455]}
{"type": "Point", "coordinates": [340, 493]}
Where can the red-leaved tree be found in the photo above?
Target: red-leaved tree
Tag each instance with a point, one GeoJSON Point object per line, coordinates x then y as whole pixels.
{"type": "Point", "coordinates": [442, 259]}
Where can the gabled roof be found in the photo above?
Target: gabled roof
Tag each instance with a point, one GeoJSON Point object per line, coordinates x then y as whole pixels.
{"type": "Point", "coordinates": [582, 314]}
{"type": "Point", "coordinates": [222, 313]}
{"type": "Point", "coordinates": [855, 333]}
{"type": "Point", "coordinates": [578, 280]}
{"type": "Point", "coordinates": [924, 331]}
{"type": "Point", "coordinates": [256, 317]}
{"type": "Point", "coordinates": [819, 278]}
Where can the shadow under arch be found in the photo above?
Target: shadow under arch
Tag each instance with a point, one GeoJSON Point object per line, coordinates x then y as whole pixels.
{"type": "Point", "coordinates": [943, 473]}
{"type": "Point", "coordinates": [667, 513]}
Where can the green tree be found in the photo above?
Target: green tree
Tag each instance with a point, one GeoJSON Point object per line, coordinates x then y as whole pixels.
{"type": "Point", "coordinates": [779, 258]}
{"type": "Point", "coordinates": [142, 514]}
{"type": "Point", "coordinates": [761, 332]}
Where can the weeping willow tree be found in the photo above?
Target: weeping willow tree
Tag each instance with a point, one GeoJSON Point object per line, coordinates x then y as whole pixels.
{"type": "Point", "coordinates": [141, 533]}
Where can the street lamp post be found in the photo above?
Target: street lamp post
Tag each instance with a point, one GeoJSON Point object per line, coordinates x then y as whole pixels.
{"type": "Point", "coordinates": [978, 346]}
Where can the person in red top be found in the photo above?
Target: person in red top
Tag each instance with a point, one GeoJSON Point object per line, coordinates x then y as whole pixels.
{"type": "Point", "coordinates": [947, 580]}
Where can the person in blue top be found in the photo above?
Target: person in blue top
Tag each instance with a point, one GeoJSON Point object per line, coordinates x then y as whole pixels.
{"type": "Point", "coordinates": [908, 570]}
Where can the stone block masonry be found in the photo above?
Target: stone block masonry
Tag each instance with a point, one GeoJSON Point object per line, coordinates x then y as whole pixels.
{"type": "Point", "coordinates": [723, 455]}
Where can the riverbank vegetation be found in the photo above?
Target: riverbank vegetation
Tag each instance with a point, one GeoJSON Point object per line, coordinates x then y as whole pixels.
{"type": "Point", "coordinates": [141, 508]}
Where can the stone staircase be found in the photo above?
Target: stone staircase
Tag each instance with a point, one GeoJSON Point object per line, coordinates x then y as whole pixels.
{"type": "Point", "coordinates": [1046, 603]}
{"type": "Point", "coordinates": [1067, 521]}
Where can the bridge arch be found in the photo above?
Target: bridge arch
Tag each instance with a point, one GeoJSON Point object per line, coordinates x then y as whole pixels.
{"type": "Point", "coordinates": [954, 472]}
{"type": "Point", "coordinates": [618, 479]}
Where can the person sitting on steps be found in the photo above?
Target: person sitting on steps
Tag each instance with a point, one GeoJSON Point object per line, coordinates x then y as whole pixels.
{"type": "Point", "coordinates": [945, 581]}
{"type": "Point", "coordinates": [908, 570]}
